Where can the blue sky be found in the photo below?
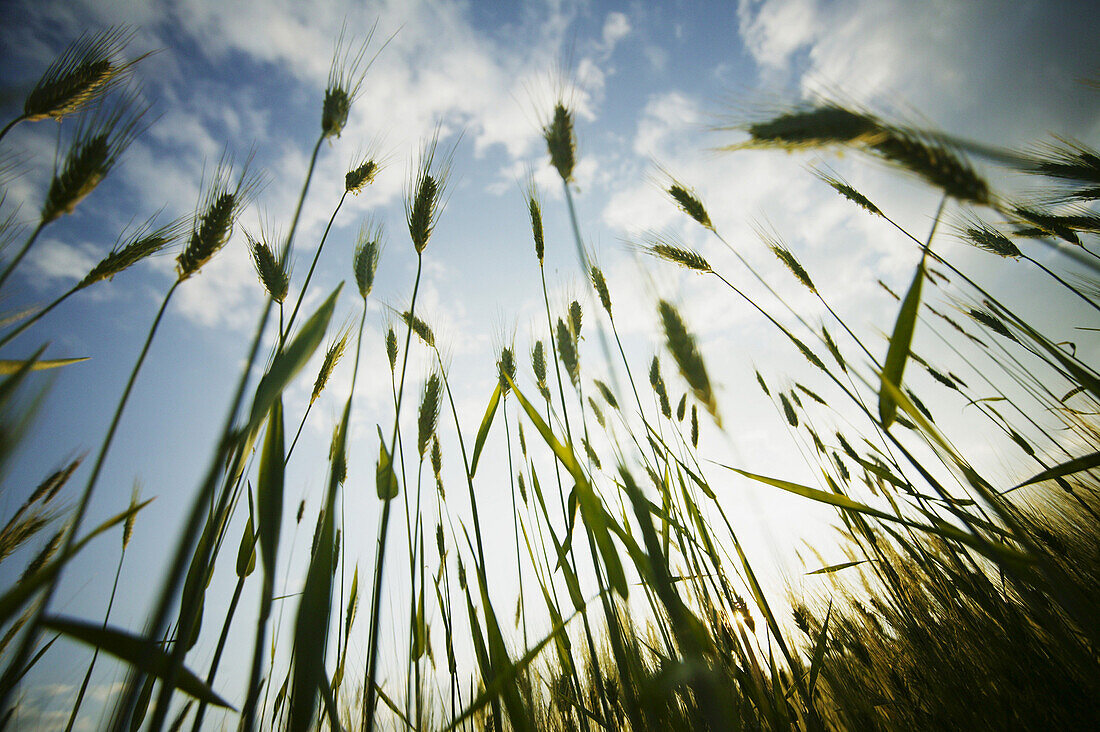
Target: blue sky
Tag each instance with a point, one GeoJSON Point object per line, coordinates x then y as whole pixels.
{"type": "Point", "coordinates": [649, 86]}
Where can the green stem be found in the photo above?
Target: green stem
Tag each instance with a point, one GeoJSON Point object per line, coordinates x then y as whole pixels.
{"type": "Point", "coordinates": [11, 124]}
{"type": "Point", "coordinates": [284, 332]}
{"type": "Point", "coordinates": [219, 649]}
{"type": "Point", "coordinates": [38, 316]}
{"type": "Point", "coordinates": [22, 253]}
{"type": "Point", "coordinates": [31, 636]}
{"type": "Point", "coordinates": [95, 655]}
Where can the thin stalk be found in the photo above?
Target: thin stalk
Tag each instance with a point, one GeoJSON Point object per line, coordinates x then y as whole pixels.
{"type": "Point", "coordinates": [376, 596]}
{"type": "Point", "coordinates": [226, 444]}
{"type": "Point", "coordinates": [309, 275]}
{"type": "Point", "coordinates": [39, 315]}
{"type": "Point", "coordinates": [22, 253]}
{"type": "Point", "coordinates": [11, 124]}
{"type": "Point", "coordinates": [95, 654]}
{"type": "Point", "coordinates": [219, 649]}
{"type": "Point", "coordinates": [22, 653]}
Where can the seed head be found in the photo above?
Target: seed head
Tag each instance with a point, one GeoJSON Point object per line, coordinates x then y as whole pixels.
{"type": "Point", "coordinates": [425, 197]}
{"type": "Point", "coordinates": [85, 71]}
{"type": "Point", "coordinates": [332, 356]}
{"type": "Point", "coordinates": [345, 78]}
{"type": "Point", "coordinates": [391, 349]}
{"type": "Point", "coordinates": [561, 142]}
{"type": "Point", "coordinates": [361, 176]}
{"type": "Point", "coordinates": [681, 407]}
{"type": "Point", "coordinates": [98, 141]}
{"type": "Point", "coordinates": [271, 268]}
{"type": "Point", "coordinates": [506, 365]}
{"type": "Point", "coordinates": [690, 204]}
{"type": "Point", "coordinates": [567, 351]}
{"type": "Point", "coordinates": [600, 284]}
{"type": "Point", "coordinates": [605, 392]}
{"type": "Point", "coordinates": [660, 247]}
{"type": "Point", "coordinates": [694, 426]}
{"type": "Point", "coordinates": [985, 237]}
{"type": "Point", "coordinates": [792, 263]}
{"type": "Point", "coordinates": [538, 365]}
{"type": "Point", "coordinates": [932, 160]}
{"type": "Point", "coordinates": [681, 344]}
{"type": "Point", "coordinates": [429, 413]}
{"type": "Point", "coordinates": [534, 209]}
{"type": "Point", "coordinates": [658, 384]}
{"type": "Point", "coordinates": [596, 411]}
{"type": "Point", "coordinates": [367, 250]}
{"type": "Point", "coordinates": [437, 457]}
{"type": "Point", "coordinates": [133, 248]}
{"type": "Point", "coordinates": [825, 125]}
{"type": "Point", "coordinates": [423, 332]}
{"type": "Point", "coordinates": [575, 319]}
{"type": "Point", "coordinates": [219, 207]}
{"type": "Point", "coordinates": [848, 191]}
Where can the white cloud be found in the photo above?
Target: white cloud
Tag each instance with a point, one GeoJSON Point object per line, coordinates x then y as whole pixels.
{"type": "Point", "coordinates": [615, 28]}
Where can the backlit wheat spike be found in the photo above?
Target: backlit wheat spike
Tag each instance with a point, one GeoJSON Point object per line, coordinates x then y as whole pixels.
{"type": "Point", "coordinates": [596, 411]}
{"type": "Point", "coordinates": [424, 201]}
{"type": "Point", "coordinates": [99, 141]}
{"type": "Point", "coordinates": [141, 243]}
{"type": "Point", "coordinates": [567, 350]}
{"type": "Point", "coordinates": [689, 203]}
{"type": "Point", "coordinates": [846, 190]}
{"type": "Point", "coordinates": [219, 207]}
{"type": "Point", "coordinates": [660, 247]}
{"type": "Point", "coordinates": [788, 410]}
{"type": "Point", "coordinates": [575, 319]}
{"type": "Point", "coordinates": [681, 344]}
{"type": "Point", "coordinates": [932, 160]}
{"type": "Point", "coordinates": [534, 210]}
{"type": "Point", "coordinates": [422, 330]}
{"type": "Point", "coordinates": [658, 384]}
{"type": "Point", "coordinates": [368, 248]}
{"type": "Point", "coordinates": [605, 392]}
{"type": "Point", "coordinates": [600, 284]}
{"type": "Point", "coordinates": [825, 125]}
{"type": "Point", "coordinates": [391, 349]}
{"type": "Point", "coordinates": [1070, 162]}
{"type": "Point", "coordinates": [89, 68]}
{"type": "Point", "coordinates": [694, 426]}
{"type": "Point", "coordinates": [332, 357]}
{"type": "Point", "coordinates": [428, 415]}
{"type": "Point", "coordinates": [362, 174]}
{"type": "Point", "coordinates": [561, 141]}
{"type": "Point", "coordinates": [506, 365]}
{"type": "Point", "coordinates": [270, 267]}
{"type": "Point", "coordinates": [790, 261]}
{"type": "Point", "coordinates": [345, 79]}
{"type": "Point", "coordinates": [984, 236]}
{"type": "Point", "coordinates": [538, 365]}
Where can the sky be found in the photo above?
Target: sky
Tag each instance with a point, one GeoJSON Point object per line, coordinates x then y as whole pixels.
{"type": "Point", "coordinates": [657, 89]}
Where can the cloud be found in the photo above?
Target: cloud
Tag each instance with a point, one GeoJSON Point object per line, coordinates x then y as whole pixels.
{"type": "Point", "coordinates": [615, 28]}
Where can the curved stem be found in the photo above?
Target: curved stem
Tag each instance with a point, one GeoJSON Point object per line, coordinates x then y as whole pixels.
{"type": "Point", "coordinates": [1058, 279]}
{"type": "Point", "coordinates": [11, 124]}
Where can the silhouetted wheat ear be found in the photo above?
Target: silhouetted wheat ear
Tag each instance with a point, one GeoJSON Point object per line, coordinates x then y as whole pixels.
{"type": "Point", "coordinates": [690, 204]}
{"type": "Point", "coordinates": [600, 284]}
{"type": "Point", "coordinates": [538, 365]}
{"type": "Point", "coordinates": [561, 141]}
{"type": "Point", "coordinates": [680, 255]}
{"type": "Point", "coordinates": [345, 78]}
{"type": "Point", "coordinates": [681, 344]}
{"type": "Point", "coordinates": [792, 263]}
{"type": "Point", "coordinates": [534, 209]}
{"type": "Point", "coordinates": [932, 160]}
{"type": "Point", "coordinates": [423, 332]}
{"type": "Point", "coordinates": [984, 236]}
{"type": "Point", "coordinates": [99, 140]}
{"type": "Point", "coordinates": [271, 270]}
{"type": "Point", "coordinates": [825, 125]}
{"type": "Point", "coordinates": [658, 383]}
{"type": "Point", "coordinates": [85, 71]}
{"type": "Point", "coordinates": [137, 246]}
{"type": "Point", "coordinates": [575, 319]}
{"type": "Point", "coordinates": [567, 350]}
{"type": "Point", "coordinates": [425, 198]}
{"type": "Point", "coordinates": [332, 357]}
{"type": "Point", "coordinates": [360, 176]}
{"type": "Point", "coordinates": [391, 349]}
{"type": "Point", "coordinates": [848, 192]}
{"type": "Point", "coordinates": [214, 225]}
{"type": "Point", "coordinates": [506, 365]}
{"type": "Point", "coordinates": [605, 392]}
{"type": "Point", "coordinates": [428, 415]}
{"type": "Point", "coordinates": [367, 250]}
{"type": "Point", "coordinates": [1070, 162]}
